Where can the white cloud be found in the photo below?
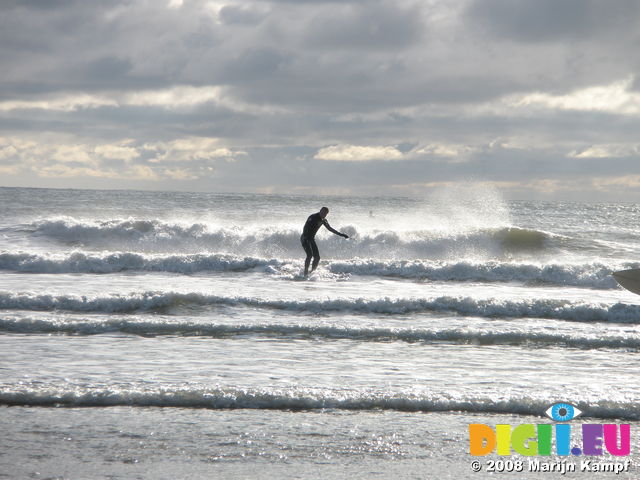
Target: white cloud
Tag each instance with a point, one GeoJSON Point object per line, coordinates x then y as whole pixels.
{"type": "Point", "coordinates": [189, 149]}
{"type": "Point", "coordinates": [9, 170]}
{"type": "Point", "coordinates": [64, 103]}
{"type": "Point", "coordinates": [187, 158]}
{"type": "Point", "coordinates": [356, 153]}
{"type": "Point", "coordinates": [7, 152]}
{"type": "Point", "coordinates": [59, 170]}
{"type": "Point", "coordinates": [142, 172]}
{"type": "Point", "coordinates": [74, 153]}
{"type": "Point", "coordinates": [174, 98]}
{"type": "Point", "coordinates": [118, 151]}
{"type": "Point", "coordinates": [444, 150]}
{"type": "Point", "coordinates": [176, 4]}
{"type": "Point", "coordinates": [607, 151]}
{"type": "Point", "coordinates": [625, 182]}
{"type": "Point", "coordinates": [179, 174]}
{"type": "Point", "coordinates": [616, 97]}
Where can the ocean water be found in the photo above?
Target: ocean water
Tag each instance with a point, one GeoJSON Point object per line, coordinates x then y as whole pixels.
{"type": "Point", "coordinates": [437, 312]}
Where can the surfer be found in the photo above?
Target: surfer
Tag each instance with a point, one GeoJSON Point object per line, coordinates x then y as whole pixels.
{"type": "Point", "coordinates": [311, 227]}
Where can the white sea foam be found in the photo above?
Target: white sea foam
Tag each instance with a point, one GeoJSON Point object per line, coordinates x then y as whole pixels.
{"type": "Point", "coordinates": [465, 306]}
{"type": "Point", "coordinates": [295, 398]}
{"type": "Point", "coordinates": [143, 235]}
{"type": "Point", "coordinates": [593, 275]}
{"type": "Point", "coordinates": [177, 327]}
{"type": "Point", "coordinates": [79, 262]}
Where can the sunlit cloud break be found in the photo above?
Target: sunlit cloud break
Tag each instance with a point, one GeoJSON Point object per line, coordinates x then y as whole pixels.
{"type": "Point", "coordinates": [357, 153]}
{"type": "Point", "coordinates": [617, 97]}
{"type": "Point", "coordinates": [171, 98]}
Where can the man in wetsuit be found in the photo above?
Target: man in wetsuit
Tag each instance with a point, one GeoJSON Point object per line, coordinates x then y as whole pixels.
{"type": "Point", "coordinates": [314, 222]}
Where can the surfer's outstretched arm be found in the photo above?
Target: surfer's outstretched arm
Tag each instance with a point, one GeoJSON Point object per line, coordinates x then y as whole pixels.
{"type": "Point", "coordinates": [333, 230]}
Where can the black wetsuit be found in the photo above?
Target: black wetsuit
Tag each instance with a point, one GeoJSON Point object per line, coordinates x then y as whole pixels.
{"type": "Point", "coordinates": [311, 227]}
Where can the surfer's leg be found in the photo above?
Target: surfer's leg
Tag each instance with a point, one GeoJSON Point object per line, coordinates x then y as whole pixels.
{"type": "Point", "coordinates": [307, 249]}
{"type": "Point", "coordinates": [316, 254]}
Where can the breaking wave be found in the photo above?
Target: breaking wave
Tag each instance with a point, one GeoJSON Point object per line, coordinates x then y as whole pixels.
{"type": "Point", "coordinates": [297, 398]}
{"type": "Point", "coordinates": [160, 236]}
{"type": "Point", "coordinates": [595, 275]}
{"type": "Point", "coordinates": [125, 261]}
{"type": "Point", "coordinates": [149, 328]}
{"type": "Point", "coordinates": [464, 306]}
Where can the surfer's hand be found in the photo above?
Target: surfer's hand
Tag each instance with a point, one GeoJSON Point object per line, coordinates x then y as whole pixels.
{"type": "Point", "coordinates": [344, 235]}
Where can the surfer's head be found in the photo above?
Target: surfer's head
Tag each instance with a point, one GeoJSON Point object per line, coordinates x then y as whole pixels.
{"type": "Point", "coordinates": [324, 211]}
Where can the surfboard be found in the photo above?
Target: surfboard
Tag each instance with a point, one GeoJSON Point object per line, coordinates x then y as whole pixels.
{"type": "Point", "coordinates": [629, 279]}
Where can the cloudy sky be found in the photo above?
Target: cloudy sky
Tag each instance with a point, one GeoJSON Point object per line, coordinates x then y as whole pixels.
{"type": "Point", "coordinates": [539, 99]}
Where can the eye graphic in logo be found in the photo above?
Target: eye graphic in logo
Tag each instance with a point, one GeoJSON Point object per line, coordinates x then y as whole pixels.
{"type": "Point", "coordinates": [563, 412]}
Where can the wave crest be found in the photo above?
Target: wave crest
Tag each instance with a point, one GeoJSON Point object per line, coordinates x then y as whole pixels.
{"type": "Point", "coordinates": [593, 275]}
{"type": "Point", "coordinates": [465, 306]}
{"type": "Point", "coordinates": [296, 398]}
{"type": "Point", "coordinates": [79, 262]}
{"type": "Point", "coordinates": [281, 242]}
{"type": "Point", "coordinates": [150, 328]}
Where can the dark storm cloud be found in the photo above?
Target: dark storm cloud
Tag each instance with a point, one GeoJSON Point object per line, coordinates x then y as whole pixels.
{"type": "Point", "coordinates": [242, 14]}
{"type": "Point", "coordinates": [555, 20]}
{"type": "Point", "coordinates": [95, 45]}
{"type": "Point", "coordinates": [374, 25]}
{"type": "Point", "coordinates": [39, 4]}
{"type": "Point", "coordinates": [566, 44]}
{"type": "Point", "coordinates": [253, 66]}
{"type": "Point", "coordinates": [87, 46]}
